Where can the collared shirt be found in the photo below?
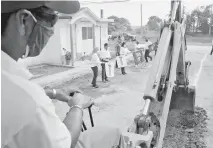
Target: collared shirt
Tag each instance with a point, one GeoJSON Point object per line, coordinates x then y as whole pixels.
{"type": "Point", "coordinates": [28, 115]}
{"type": "Point", "coordinates": [104, 54]}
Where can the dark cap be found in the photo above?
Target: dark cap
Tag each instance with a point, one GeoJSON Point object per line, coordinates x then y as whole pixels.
{"type": "Point", "coordinates": [67, 7]}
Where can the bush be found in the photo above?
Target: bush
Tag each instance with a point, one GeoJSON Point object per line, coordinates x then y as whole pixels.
{"type": "Point", "coordinates": [68, 55]}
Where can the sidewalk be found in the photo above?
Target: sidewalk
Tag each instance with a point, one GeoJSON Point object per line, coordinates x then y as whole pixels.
{"type": "Point", "coordinates": [204, 97]}
{"type": "Point", "coordinates": [81, 68]}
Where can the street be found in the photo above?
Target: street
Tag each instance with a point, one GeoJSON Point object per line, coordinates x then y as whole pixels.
{"type": "Point", "coordinates": [120, 100]}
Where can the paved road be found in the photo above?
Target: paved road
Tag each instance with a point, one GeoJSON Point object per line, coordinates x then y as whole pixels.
{"type": "Point", "coordinates": [204, 82]}
{"type": "Point", "coordinates": [121, 99]}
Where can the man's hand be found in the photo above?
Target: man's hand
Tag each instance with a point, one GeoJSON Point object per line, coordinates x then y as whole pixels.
{"type": "Point", "coordinates": [70, 91]}
{"type": "Point", "coordinates": [66, 95]}
{"type": "Point", "coordinates": [60, 94]}
{"type": "Point", "coordinates": [81, 100]}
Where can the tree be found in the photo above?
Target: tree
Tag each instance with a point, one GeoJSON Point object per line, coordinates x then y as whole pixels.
{"type": "Point", "coordinates": [154, 23]}
{"type": "Point", "coordinates": [197, 20]}
{"type": "Point", "coordinates": [119, 24]}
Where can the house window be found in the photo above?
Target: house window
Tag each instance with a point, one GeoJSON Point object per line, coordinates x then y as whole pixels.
{"type": "Point", "coordinates": [87, 33]}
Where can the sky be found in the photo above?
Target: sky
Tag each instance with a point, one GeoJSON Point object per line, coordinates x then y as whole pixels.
{"type": "Point", "coordinates": [131, 9]}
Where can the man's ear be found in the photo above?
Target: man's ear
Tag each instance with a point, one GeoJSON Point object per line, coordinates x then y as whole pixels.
{"type": "Point", "coordinates": [25, 22]}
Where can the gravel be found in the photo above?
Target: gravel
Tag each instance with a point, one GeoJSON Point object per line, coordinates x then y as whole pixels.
{"type": "Point", "coordinates": [185, 129]}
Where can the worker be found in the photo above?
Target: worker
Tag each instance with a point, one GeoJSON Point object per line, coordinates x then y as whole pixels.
{"type": "Point", "coordinates": [105, 57]}
{"type": "Point", "coordinates": [156, 46]}
{"type": "Point", "coordinates": [212, 48]}
{"type": "Point", "coordinates": [64, 52]}
{"type": "Point", "coordinates": [117, 47]}
{"type": "Point", "coordinates": [147, 50]}
{"type": "Point", "coordinates": [141, 50]}
{"type": "Point", "coordinates": [134, 53]}
{"type": "Point", "coordinates": [123, 52]}
{"type": "Point", "coordinates": [28, 115]}
{"type": "Point", "coordinates": [95, 61]}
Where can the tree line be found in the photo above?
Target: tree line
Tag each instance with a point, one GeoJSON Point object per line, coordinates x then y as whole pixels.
{"type": "Point", "coordinates": [199, 20]}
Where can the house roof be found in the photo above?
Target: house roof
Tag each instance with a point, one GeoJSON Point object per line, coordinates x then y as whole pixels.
{"type": "Point", "coordinates": [87, 11]}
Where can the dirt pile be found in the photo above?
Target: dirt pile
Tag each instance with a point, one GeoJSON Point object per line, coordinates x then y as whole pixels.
{"type": "Point", "coordinates": [185, 129]}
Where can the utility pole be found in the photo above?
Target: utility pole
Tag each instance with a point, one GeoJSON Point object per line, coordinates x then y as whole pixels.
{"type": "Point", "coordinates": [141, 20]}
{"type": "Point", "coordinates": [210, 23]}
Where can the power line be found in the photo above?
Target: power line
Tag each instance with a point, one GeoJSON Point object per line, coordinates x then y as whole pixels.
{"type": "Point", "coordinates": [103, 2]}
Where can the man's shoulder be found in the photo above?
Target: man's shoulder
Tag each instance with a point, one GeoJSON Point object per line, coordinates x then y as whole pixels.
{"type": "Point", "coordinates": [19, 89]}
{"type": "Point", "coordinates": [23, 102]}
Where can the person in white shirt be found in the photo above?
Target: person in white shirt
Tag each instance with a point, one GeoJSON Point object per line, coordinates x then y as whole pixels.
{"type": "Point", "coordinates": [147, 50]}
{"type": "Point", "coordinates": [123, 51]}
{"type": "Point", "coordinates": [95, 61]}
{"type": "Point", "coordinates": [105, 57]}
{"type": "Point", "coordinates": [134, 53]}
{"type": "Point", "coordinates": [28, 114]}
{"type": "Point", "coordinates": [212, 48]}
{"type": "Point", "coordinates": [64, 56]}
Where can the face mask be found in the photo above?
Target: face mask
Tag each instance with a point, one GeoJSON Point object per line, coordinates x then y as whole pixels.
{"type": "Point", "coordinates": [39, 38]}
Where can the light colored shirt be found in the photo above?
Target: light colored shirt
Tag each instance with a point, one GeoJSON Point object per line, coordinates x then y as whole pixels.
{"type": "Point", "coordinates": [104, 54]}
{"type": "Point", "coordinates": [147, 44]}
{"type": "Point", "coordinates": [28, 114]}
{"type": "Point", "coordinates": [95, 60]}
{"type": "Point", "coordinates": [124, 51]}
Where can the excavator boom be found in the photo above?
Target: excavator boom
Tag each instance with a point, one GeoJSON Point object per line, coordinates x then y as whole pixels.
{"type": "Point", "coordinates": [168, 86]}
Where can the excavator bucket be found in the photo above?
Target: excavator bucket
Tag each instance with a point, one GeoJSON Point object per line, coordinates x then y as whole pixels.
{"type": "Point", "coordinates": [183, 98]}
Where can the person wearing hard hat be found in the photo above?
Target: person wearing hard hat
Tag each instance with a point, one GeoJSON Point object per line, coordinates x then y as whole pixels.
{"type": "Point", "coordinates": [28, 115]}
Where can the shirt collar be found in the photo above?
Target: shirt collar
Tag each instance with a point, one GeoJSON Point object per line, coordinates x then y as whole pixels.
{"type": "Point", "coordinates": [11, 66]}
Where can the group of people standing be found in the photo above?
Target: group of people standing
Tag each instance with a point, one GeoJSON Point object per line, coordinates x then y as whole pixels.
{"type": "Point", "coordinates": [144, 52]}
{"type": "Point", "coordinates": [102, 57]}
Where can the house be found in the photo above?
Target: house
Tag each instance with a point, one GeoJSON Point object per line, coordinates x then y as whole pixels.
{"type": "Point", "coordinates": [79, 33]}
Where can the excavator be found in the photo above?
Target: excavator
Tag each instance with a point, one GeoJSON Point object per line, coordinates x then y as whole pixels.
{"type": "Point", "coordinates": [168, 86]}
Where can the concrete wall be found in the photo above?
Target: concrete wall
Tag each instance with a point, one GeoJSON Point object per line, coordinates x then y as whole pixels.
{"type": "Point", "coordinates": [104, 34]}
{"type": "Point", "coordinates": [64, 28]}
{"type": "Point", "coordinates": [97, 36]}
{"type": "Point", "coordinates": [84, 45]}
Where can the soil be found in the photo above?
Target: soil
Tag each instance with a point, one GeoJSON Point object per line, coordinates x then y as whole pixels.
{"type": "Point", "coordinates": [48, 70]}
{"type": "Point", "coordinates": [185, 129]}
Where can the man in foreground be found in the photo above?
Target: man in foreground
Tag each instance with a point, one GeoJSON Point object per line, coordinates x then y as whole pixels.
{"type": "Point", "coordinates": [28, 115]}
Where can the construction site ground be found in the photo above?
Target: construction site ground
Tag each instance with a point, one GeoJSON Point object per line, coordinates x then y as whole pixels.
{"type": "Point", "coordinates": [120, 100]}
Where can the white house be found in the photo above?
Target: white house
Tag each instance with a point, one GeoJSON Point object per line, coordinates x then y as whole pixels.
{"type": "Point", "coordinates": [78, 33]}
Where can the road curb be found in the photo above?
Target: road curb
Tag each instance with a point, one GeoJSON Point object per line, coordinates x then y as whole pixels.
{"type": "Point", "coordinates": [62, 77]}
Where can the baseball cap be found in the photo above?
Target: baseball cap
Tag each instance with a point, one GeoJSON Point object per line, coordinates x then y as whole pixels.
{"type": "Point", "coordinates": [67, 7]}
